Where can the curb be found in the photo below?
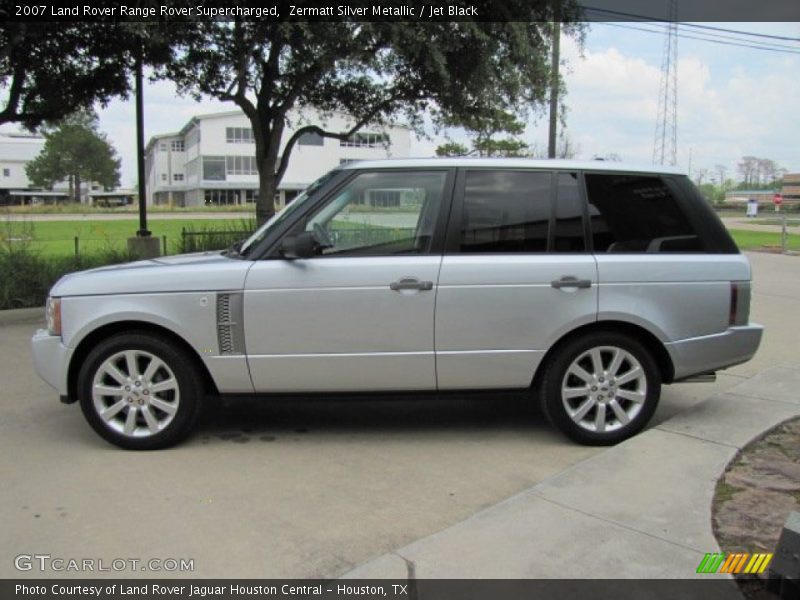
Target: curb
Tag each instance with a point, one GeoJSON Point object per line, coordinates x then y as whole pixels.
{"type": "Point", "coordinates": [18, 316]}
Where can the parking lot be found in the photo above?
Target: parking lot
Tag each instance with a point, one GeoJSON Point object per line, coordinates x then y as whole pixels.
{"type": "Point", "coordinates": [294, 489]}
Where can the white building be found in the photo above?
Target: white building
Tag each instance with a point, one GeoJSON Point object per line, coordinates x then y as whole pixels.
{"type": "Point", "coordinates": [211, 161]}
{"type": "Point", "coordinates": [16, 151]}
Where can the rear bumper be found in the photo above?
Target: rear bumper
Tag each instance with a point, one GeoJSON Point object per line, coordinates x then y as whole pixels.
{"type": "Point", "coordinates": [712, 352]}
{"type": "Point", "coordinates": [51, 360]}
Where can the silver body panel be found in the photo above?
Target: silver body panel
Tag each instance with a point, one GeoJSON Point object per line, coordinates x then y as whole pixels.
{"type": "Point", "coordinates": [496, 315]}
{"type": "Point", "coordinates": [333, 324]}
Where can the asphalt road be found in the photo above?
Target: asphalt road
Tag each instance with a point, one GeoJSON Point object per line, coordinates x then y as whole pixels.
{"type": "Point", "coordinates": [288, 489]}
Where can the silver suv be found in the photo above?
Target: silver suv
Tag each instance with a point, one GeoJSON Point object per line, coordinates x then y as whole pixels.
{"type": "Point", "coordinates": [584, 285]}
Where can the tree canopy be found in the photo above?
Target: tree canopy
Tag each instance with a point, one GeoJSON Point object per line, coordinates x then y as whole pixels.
{"type": "Point", "coordinates": [75, 151]}
{"type": "Point", "coordinates": [51, 69]}
{"type": "Point", "coordinates": [375, 72]}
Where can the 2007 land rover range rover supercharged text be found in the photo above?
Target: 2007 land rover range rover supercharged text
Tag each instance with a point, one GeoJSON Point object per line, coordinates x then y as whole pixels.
{"type": "Point", "coordinates": [585, 285]}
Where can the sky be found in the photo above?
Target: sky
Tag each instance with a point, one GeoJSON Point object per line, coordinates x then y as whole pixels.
{"type": "Point", "coordinates": [732, 102]}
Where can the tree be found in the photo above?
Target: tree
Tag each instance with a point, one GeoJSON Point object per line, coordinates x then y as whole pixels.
{"type": "Point", "coordinates": [75, 151]}
{"type": "Point", "coordinates": [375, 72]}
{"type": "Point", "coordinates": [452, 149]}
{"type": "Point", "coordinates": [483, 132]}
{"type": "Point", "coordinates": [48, 70]}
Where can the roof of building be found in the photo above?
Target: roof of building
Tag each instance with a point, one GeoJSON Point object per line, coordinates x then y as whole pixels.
{"type": "Point", "coordinates": [160, 136]}
{"type": "Point", "coordinates": [512, 163]}
{"type": "Point", "coordinates": [20, 147]}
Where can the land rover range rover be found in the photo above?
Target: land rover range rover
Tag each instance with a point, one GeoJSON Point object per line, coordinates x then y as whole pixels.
{"type": "Point", "coordinates": [583, 285]}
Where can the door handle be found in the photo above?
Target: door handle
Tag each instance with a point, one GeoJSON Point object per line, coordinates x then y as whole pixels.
{"type": "Point", "coordinates": [410, 283]}
{"type": "Point", "coordinates": [568, 281]}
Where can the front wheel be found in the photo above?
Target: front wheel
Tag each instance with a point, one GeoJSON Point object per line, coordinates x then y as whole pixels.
{"type": "Point", "coordinates": [600, 388]}
{"type": "Point", "coordinates": [140, 391]}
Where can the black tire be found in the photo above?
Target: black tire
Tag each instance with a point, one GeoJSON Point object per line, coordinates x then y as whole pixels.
{"type": "Point", "coordinates": [174, 410]}
{"type": "Point", "coordinates": [555, 405]}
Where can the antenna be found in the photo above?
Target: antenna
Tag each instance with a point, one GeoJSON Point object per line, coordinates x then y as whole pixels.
{"type": "Point", "coordinates": [665, 147]}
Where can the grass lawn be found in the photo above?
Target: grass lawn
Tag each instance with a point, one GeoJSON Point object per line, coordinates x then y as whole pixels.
{"type": "Point", "coordinates": [756, 240]}
{"type": "Point", "coordinates": [57, 238]}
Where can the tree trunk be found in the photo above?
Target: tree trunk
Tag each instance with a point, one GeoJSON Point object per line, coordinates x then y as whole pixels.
{"type": "Point", "coordinates": [267, 186]}
{"type": "Point", "coordinates": [267, 132]}
{"type": "Point", "coordinates": [71, 193]}
{"type": "Point", "coordinates": [77, 188]}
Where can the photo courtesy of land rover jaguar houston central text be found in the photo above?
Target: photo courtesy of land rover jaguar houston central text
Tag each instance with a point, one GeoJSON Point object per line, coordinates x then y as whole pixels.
{"type": "Point", "coordinates": [583, 285]}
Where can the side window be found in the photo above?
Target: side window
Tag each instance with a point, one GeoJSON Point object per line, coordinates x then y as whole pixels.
{"type": "Point", "coordinates": [637, 213]}
{"type": "Point", "coordinates": [380, 214]}
{"type": "Point", "coordinates": [568, 235]}
{"type": "Point", "coordinates": [505, 211]}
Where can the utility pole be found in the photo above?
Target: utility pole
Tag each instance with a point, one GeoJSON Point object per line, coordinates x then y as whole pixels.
{"type": "Point", "coordinates": [143, 244]}
{"type": "Point", "coordinates": [143, 231]}
{"type": "Point", "coordinates": [554, 81]}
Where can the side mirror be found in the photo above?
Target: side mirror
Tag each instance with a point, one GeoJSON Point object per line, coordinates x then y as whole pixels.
{"type": "Point", "coordinates": [302, 245]}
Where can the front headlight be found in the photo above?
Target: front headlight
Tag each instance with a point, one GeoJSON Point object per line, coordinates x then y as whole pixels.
{"type": "Point", "coordinates": [53, 314]}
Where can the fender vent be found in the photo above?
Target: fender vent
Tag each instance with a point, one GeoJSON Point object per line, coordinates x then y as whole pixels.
{"type": "Point", "coordinates": [230, 326]}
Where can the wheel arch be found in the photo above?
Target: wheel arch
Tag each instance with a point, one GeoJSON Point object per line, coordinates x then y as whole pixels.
{"type": "Point", "coordinates": [647, 338]}
{"type": "Point", "coordinates": [131, 326]}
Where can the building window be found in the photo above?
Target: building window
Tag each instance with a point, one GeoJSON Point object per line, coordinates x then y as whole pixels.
{"type": "Point", "coordinates": [177, 146]}
{"type": "Point", "coordinates": [177, 176]}
{"type": "Point", "coordinates": [193, 137]}
{"type": "Point", "coordinates": [239, 135]}
{"type": "Point", "coordinates": [221, 197]}
{"type": "Point", "coordinates": [250, 196]}
{"type": "Point", "coordinates": [163, 177]}
{"type": "Point", "coordinates": [163, 146]}
{"type": "Point", "coordinates": [366, 140]}
{"type": "Point", "coordinates": [214, 168]}
{"type": "Point", "coordinates": [311, 139]}
{"type": "Point", "coordinates": [6, 172]}
{"type": "Point", "coordinates": [241, 165]}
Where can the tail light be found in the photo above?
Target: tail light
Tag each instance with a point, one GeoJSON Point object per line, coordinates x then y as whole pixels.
{"type": "Point", "coordinates": [740, 303]}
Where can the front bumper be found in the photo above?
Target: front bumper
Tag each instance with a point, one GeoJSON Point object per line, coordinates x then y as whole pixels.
{"type": "Point", "coordinates": [708, 353]}
{"type": "Point", "coordinates": [51, 360]}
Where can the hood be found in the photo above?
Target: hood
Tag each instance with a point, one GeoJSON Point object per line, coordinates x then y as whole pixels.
{"type": "Point", "coordinates": [201, 271]}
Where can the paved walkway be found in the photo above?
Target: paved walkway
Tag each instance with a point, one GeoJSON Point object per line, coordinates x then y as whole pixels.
{"type": "Point", "coordinates": [639, 510]}
{"type": "Point", "coordinates": [749, 225]}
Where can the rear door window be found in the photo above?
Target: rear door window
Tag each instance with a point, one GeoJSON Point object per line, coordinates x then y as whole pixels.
{"type": "Point", "coordinates": [505, 211]}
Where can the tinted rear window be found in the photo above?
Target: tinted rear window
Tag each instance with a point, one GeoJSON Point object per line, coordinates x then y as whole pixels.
{"type": "Point", "coordinates": [637, 213]}
{"type": "Point", "coordinates": [506, 211]}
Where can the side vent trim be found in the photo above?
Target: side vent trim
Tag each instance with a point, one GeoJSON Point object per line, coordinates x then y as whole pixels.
{"type": "Point", "coordinates": [230, 323]}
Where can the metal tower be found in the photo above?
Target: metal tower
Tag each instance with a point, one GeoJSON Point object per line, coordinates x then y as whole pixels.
{"type": "Point", "coordinates": [665, 147]}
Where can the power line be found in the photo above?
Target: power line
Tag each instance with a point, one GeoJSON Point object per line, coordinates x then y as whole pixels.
{"type": "Point", "coordinates": [709, 27]}
{"type": "Point", "coordinates": [717, 35]}
{"type": "Point", "coordinates": [753, 46]}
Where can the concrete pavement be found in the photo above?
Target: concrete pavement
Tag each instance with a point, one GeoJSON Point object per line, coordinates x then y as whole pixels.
{"type": "Point", "coordinates": [639, 510]}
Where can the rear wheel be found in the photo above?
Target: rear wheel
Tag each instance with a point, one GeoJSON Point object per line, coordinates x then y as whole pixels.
{"type": "Point", "coordinates": [140, 391]}
{"type": "Point", "coordinates": [600, 388]}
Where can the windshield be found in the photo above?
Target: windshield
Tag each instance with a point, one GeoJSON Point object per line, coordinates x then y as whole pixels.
{"type": "Point", "coordinates": [282, 215]}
